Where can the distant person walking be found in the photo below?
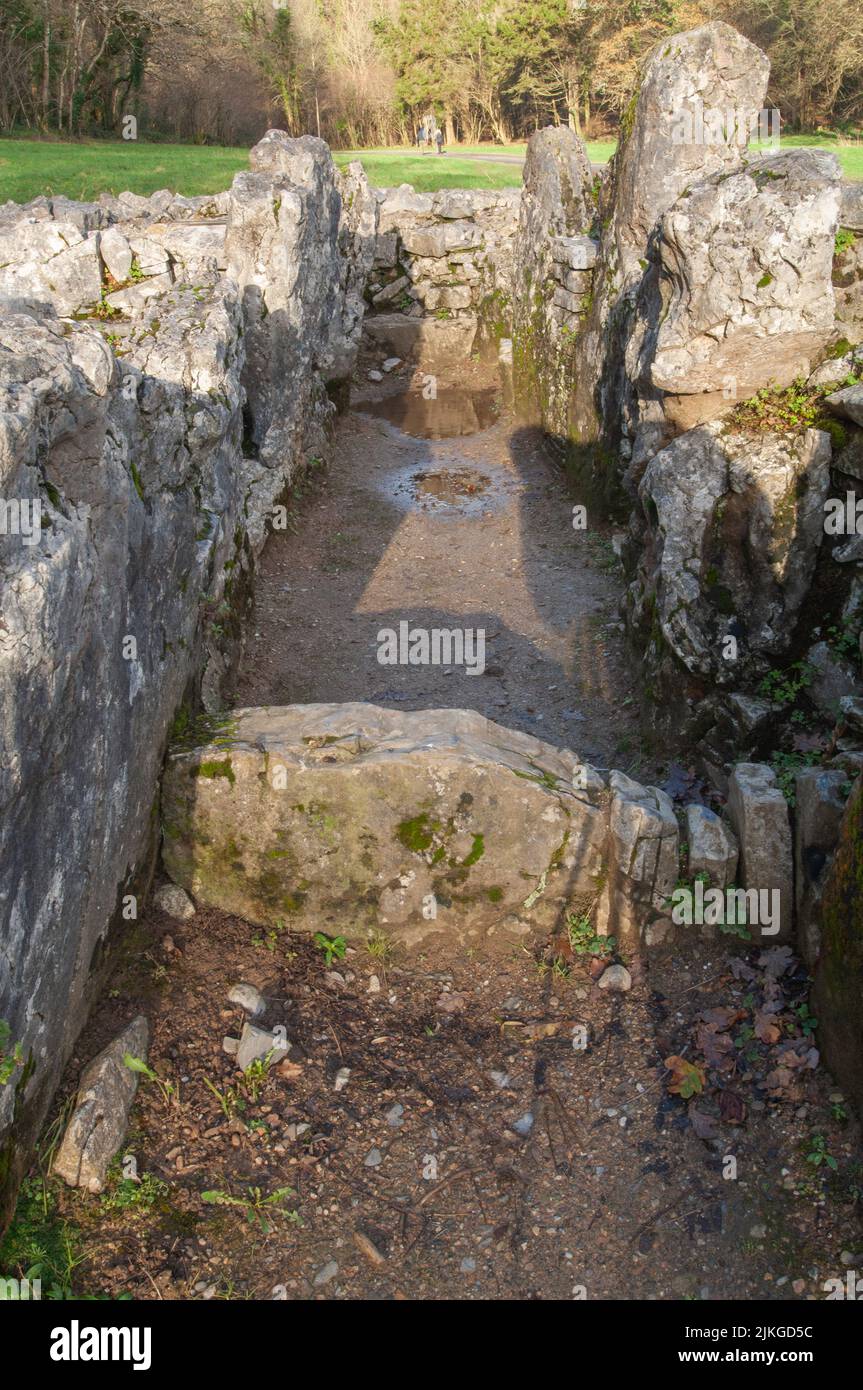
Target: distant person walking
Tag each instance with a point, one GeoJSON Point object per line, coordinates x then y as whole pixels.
{"type": "Point", "coordinates": [438, 139]}
{"type": "Point", "coordinates": [421, 135]}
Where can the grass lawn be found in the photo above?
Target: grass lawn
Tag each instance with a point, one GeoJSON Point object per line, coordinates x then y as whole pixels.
{"type": "Point", "coordinates": [84, 169]}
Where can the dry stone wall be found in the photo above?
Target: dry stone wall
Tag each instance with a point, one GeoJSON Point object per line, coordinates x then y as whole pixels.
{"type": "Point", "coordinates": [441, 279]}
{"type": "Point", "coordinates": [166, 370]}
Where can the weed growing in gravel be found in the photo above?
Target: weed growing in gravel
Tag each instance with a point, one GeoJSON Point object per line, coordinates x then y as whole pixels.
{"type": "Point", "coordinates": [167, 1090]}
{"type": "Point", "coordinates": [333, 947]}
{"type": "Point", "coordinates": [583, 939]}
{"type": "Point", "coordinates": [256, 1205]}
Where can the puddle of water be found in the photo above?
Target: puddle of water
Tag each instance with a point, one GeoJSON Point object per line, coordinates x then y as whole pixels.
{"type": "Point", "coordinates": [451, 413]}
{"type": "Point", "coordinates": [451, 484]}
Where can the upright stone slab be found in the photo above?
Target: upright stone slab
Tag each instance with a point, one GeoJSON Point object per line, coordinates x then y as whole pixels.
{"type": "Point", "coordinates": [839, 974]}
{"type": "Point", "coordinates": [642, 864]}
{"type": "Point", "coordinates": [819, 797]}
{"type": "Point", "coordinates": [753, 251]}
{"type": "Point", "coordinates": [557, 202]}
{"type": "Point", "coordinates": [98, 1124]}
{"type": "Point", "coordinates": [712, 847]}
{"type": "Point", "coordinates": [759, 814]}
{"type": "Point", "coordinates": [663, 151]}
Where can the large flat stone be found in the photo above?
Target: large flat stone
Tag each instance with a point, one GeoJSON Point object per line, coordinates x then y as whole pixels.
{"type": "Point", "coordinates": [343, 818]}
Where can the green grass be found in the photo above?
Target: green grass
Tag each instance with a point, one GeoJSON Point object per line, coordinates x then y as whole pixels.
{"type": "Point", "coordinates": [84, 169]}
{"type": "Point", "coordinates": [428, 172]}
{"type": "Point", "coordinates": [87, 168]}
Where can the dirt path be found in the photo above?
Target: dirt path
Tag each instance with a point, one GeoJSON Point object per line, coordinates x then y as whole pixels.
{"type": "Point", "coordinates": [466, 532]}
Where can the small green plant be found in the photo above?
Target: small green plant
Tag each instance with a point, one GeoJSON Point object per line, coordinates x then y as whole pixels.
{"type": "Point", "coordinates": [230, 1101]}
{"type": "Point", "coordinates": [167, 1090]}
{"type": "Point", "coordinates": [818, 1154]}
{"type": "Point", "coordinates": [256, 1206]}
{"type": "Point", "coordinates": [806, 1022]}
{"type": "Point", "coordinates": [845, 239]}
{"type": "Point", "coordinates": [333, 947]}
{"type": "Point", "coordinates": [135, 1194]}
{"type": "Point", "coordinates": [784, 687]}
{"type": "Point", "coordinates": [839, 1113]}
{"type": "Point", "coordinates": [379, 946]}
{"type": "Point", "coordinates": [582, 938]}
{"type": "Point", "coordinates": [11, 1057]}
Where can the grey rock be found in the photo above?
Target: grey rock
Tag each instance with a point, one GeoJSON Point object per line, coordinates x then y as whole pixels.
{"type": "Point", "coordinates": [616, 978]}
{"type": "Point", "coordinates": [772, 490]}
{"type": "Point", "coordinates": [257, 1044]}
{"type": "Point", "coordinates": [759, 814]}
{"type": "Point", "coordinates": [848, 403]}
{"type": "Point", "coordinates": [834, 679]}
{"type": "Point", "coordinates": [248, 997]}
{"type": "Point", "coordinates": [116, 253]}
{"type": "Point", "coordinates": [819, 807]}
{"type": "Point", "coordinates": [851, 208]}
{"type": "Point", "coordinates": [373, 1158]}
{"type": "Point", "coordinates": [98, 1124]}
{"type": "Point", "coordinates": [174, 901]}
{"type": "Point", "coordinates": [326, 1274]}
{"type": "Point", "coordinates": [712, 847]}
{"type": "Point", "coordinates": [771, 227]}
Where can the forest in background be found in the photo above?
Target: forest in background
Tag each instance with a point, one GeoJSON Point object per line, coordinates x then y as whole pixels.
{"type": "Point", "coordinates": [364, 73]}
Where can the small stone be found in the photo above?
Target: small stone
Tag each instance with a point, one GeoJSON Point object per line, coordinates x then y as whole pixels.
{"type": "Point", "coordinates": [248, 998]}
{"type": "Point", "coordinates": [848, 1258]}
{"type": "Point", "coordinates": [500, 1079]}
{"type": "Point", "coordinates": [376, 376]}
{"type": "Point", "coordinates": [231, 1046]}
{"type": "Point", "coordinates": [524, 1124]}
{"type": "Point", "coordinates": [373, 1158]}
{"type": "Point", "coordinates": [174, 901]}
{"type": "Point", "coordinates": [334, 979]}
{"type": "Point", "coordinates": [343, 1076]}
{"type": "Point", "coordinates": [326, 1274]}
{"type": "Point", "coordinates": [616, 978]}
{"type": "Point", "coordinates": [391, 363]}
{"type": "Point", "coordinates": [758, 1232]}
{"type": "Point", "coordinates": [467, 1265]}
{"type": "Point", "coordinates": [394, 1115]}
{"type": "Point", "coordinates": [799, 1286]}
{"type": "Point", "coordinates": [374, 985]}
{"type": "Point", "coordinates": [256, 1044]}
{"type": "Point", "coordinates": [293, 1132]}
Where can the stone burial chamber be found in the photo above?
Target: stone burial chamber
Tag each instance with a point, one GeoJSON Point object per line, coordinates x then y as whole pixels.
{"type": "Point", "coordinates": [170, 366]}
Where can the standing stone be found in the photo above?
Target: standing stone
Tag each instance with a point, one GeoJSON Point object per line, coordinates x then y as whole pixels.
{"type": "Point", "coordinates": [759, 814]}
{"type": "Point", "coordinates": [819, 806]}
{"type": "Point", "coordinates": [839, 974]}
{"type": "Point", "coordinates": [663, 151]}
{"type": "Point", "coordinates": [642, 862]}
{"type": "Point", "coordinates": [712, 847]}
{"type": "Point", "coordinates": [556, 201]}
{"type": "Point", "coordinates": [98, 1124]}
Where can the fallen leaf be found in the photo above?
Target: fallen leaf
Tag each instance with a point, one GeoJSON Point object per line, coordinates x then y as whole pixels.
{"type": "Point", "coordinates": [687, 1077]}
{"type": "Point", "coordinates": [705, 1126]}
{"type": "Point", "coordinates": [767, 1030]}
{"type": "Point", "coordinates": [732, 1107]}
